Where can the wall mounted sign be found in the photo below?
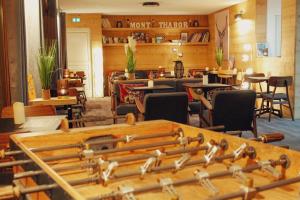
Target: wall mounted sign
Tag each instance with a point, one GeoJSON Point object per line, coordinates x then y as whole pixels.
{"type": "Point", "coordinates": [183, 24]}
{"type": "Point", "coordinates": [75, 19]}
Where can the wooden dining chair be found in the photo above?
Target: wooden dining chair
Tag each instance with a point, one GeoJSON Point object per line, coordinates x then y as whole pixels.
{"type": "Point", "coordinates": [251, 82]}
{"type": "Point", "coordinates": [30, 111]}
{"type": "Point", "coordinates": [273, 97]}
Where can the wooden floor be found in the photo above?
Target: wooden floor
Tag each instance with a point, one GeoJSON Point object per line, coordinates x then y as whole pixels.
{"type": "Point", "coordinates": [100, 107]}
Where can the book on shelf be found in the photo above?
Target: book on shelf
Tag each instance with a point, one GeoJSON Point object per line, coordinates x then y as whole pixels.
{"type": "Point", "coordinates": [199, 37]}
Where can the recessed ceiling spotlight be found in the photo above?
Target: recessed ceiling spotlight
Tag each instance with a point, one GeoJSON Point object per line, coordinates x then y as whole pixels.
{"type": "Point", "coordinates": [150, 4]}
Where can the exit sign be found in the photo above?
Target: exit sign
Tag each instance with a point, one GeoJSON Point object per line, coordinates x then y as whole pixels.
{"type": "Point", "coordinates": [76, 19]}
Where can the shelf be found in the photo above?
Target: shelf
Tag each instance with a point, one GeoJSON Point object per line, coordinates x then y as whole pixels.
{"type": "Point", "coordinates": [155, 29]}
{"type": "Point", "coordinates": [159, 44]}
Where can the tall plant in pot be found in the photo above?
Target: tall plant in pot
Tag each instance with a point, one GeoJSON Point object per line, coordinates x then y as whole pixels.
{"type": "Point", "coordinates": [130, 50]}
{"type": "Point", "coordinates": [219, 56]}
{"type": "Point", "coordinates": [46, 63]}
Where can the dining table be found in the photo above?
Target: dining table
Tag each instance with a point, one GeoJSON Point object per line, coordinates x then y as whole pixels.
{"type": "Point", "coordinates": [150, 89]}
{"type": "Point", "coordinates": [206, 87]}
{"type": "Point", "coordinates": [67, 101]}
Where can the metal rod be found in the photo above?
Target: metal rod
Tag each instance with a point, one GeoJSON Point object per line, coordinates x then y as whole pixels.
{"type": "Point", "coordinates": [106, 151]}
{"type": "Point", "coordinates": [94, 179]}
{"type": "Point", "coordinates": [119, 160]}
{"type": "Point", "coordinates": [171, 166]}
{"type": "Point", "coordinates": [80, 145]}
{"type": "Point", "coordinates": [214, 175]}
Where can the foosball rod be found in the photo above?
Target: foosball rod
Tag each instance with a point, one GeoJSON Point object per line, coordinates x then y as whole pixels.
{"type": "Point", "coordinates": [99, 152]}
{"type": "Point", "coordinates": [97, 178]}
{"type": "Point", "coordinates": [249, 168]}
{"type": "Point", "coordinates": [107, 141]}
{"type": "Point", "coordinates": [172, 166]}
{"type": "Point", "coordinates": [120, 160]}
{"type": "Point", "coordinates": [271, 137]}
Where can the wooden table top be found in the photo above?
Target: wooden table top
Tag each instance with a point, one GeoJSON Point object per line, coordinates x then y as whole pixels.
{"type": "Point", "coordinates": [255, 79]}
{"type": "Point", "coordinates": [206, 86]}
{"type": "Point", "coordinates": [54, 101]}
{"type": "Point", "coordinates": [146, 88]}
{"type": "Point", "coordinates": [32, 124]}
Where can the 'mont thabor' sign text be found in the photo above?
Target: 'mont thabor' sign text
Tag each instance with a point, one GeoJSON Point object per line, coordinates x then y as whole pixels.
{"type": "Point", "coordinates": [161, 24]}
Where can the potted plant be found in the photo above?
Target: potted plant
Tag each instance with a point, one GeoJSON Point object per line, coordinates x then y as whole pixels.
{"type": "Point", "coordinates": [46, 62]}
{"type": "Point", "coordinates": [219, 56]}
{"type": "Point", "coordinates": [130, 50]}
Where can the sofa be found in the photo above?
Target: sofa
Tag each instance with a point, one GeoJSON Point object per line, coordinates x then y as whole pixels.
{"type": "Point", "coordinates": [119, 108]}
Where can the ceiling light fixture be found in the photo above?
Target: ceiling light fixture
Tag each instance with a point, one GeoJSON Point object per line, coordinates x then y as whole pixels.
{"type": "Point", "coordinates": [239, 16]}
{"type": "Point", "coordinates": [150, 4]}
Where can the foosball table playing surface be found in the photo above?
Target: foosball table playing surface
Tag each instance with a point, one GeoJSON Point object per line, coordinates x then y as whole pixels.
{"type": "Point", "coordinates": [148, 160]}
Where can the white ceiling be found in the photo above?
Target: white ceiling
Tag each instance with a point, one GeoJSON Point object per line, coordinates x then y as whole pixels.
{"type": "Point", "coordinates": [134, 7]}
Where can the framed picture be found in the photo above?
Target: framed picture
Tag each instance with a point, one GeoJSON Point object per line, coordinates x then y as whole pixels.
{"type": "Point", "coordinates": [262, 49]}
{"type": "Point", "coordinates": [184, 37]}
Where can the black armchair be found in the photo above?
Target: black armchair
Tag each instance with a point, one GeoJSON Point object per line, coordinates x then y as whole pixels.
{"type": "Point", "coordinates": [170, 106]}
{"type": "Point", "coordinates": [234, 109]}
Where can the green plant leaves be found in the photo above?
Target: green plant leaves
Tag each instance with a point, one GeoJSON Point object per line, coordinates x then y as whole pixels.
{"type": "Point", "coordinates": [46, 62]}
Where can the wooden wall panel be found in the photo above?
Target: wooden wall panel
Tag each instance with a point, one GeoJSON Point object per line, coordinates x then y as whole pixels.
{"type": "Point", "coordinates": [297, 64]}
{"type": "Point", "coordinates": [261, 23]}
{"type": "Point", "coordinates": [243, 32]}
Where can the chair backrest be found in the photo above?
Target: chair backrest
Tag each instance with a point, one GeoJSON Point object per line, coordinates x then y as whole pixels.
{"type": "Point", "coordinates": [30, 111]}
{"type": "Point", "coordinates": [234, 109]}
{"type": "Point", "coordinates": [280, 81]}
{"type": "Point", "coordinates": [246, 76]}
{"type": "Point", "coordinates": [169, 106]}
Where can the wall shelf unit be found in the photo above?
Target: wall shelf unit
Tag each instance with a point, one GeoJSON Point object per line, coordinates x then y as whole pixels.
{"type": "Point", "coordinates": [160, 44]}
{"type": "Point", "coordinates": [155, 29]}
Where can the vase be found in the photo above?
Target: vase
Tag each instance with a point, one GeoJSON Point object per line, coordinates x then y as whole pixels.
{"type": "Point", "coordinates": [178, 69]}
{"type": "Point", "coordinates": [131, 76]}
{"type": "Point", "coordinates": [46, 94]}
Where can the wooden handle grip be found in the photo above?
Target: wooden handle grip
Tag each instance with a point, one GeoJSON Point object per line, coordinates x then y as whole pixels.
{"type": "Point", "coordinates": [8, 192]}
{"type": "Point", "coordinates": [272, 137]}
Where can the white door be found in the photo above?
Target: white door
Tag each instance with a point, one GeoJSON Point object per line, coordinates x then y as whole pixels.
{"type": "Point", "coordinates": [79, 55]}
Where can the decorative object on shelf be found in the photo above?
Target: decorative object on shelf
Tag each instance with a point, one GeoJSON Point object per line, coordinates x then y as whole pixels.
{"type": "Point", "coordinates": [178, 69]}
{"type": "Point", "coordinates": [119, 24]}
{"type": "Point", "coordinates": [221, 33]}
{"type": "Point", "coordinates": [46, 63]}
{"type": "Point", "coordinates": [130, 50]}
{"type": "Point", "coordinates": [159, 39]}
{"type": "Point", "coordinates": [19, 113]}
{"type": "Point", "coordinates": [196, 23]}
{"type": "Point", "coordinates": [184, 37]}
{"type": "Point", "coordinates": [128, 23]}
{"type": "Point", "coordinates": [219, 56]}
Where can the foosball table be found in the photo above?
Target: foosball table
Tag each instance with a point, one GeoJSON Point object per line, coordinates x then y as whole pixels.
{"type": "Point", "coordinates": [148, 160]}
